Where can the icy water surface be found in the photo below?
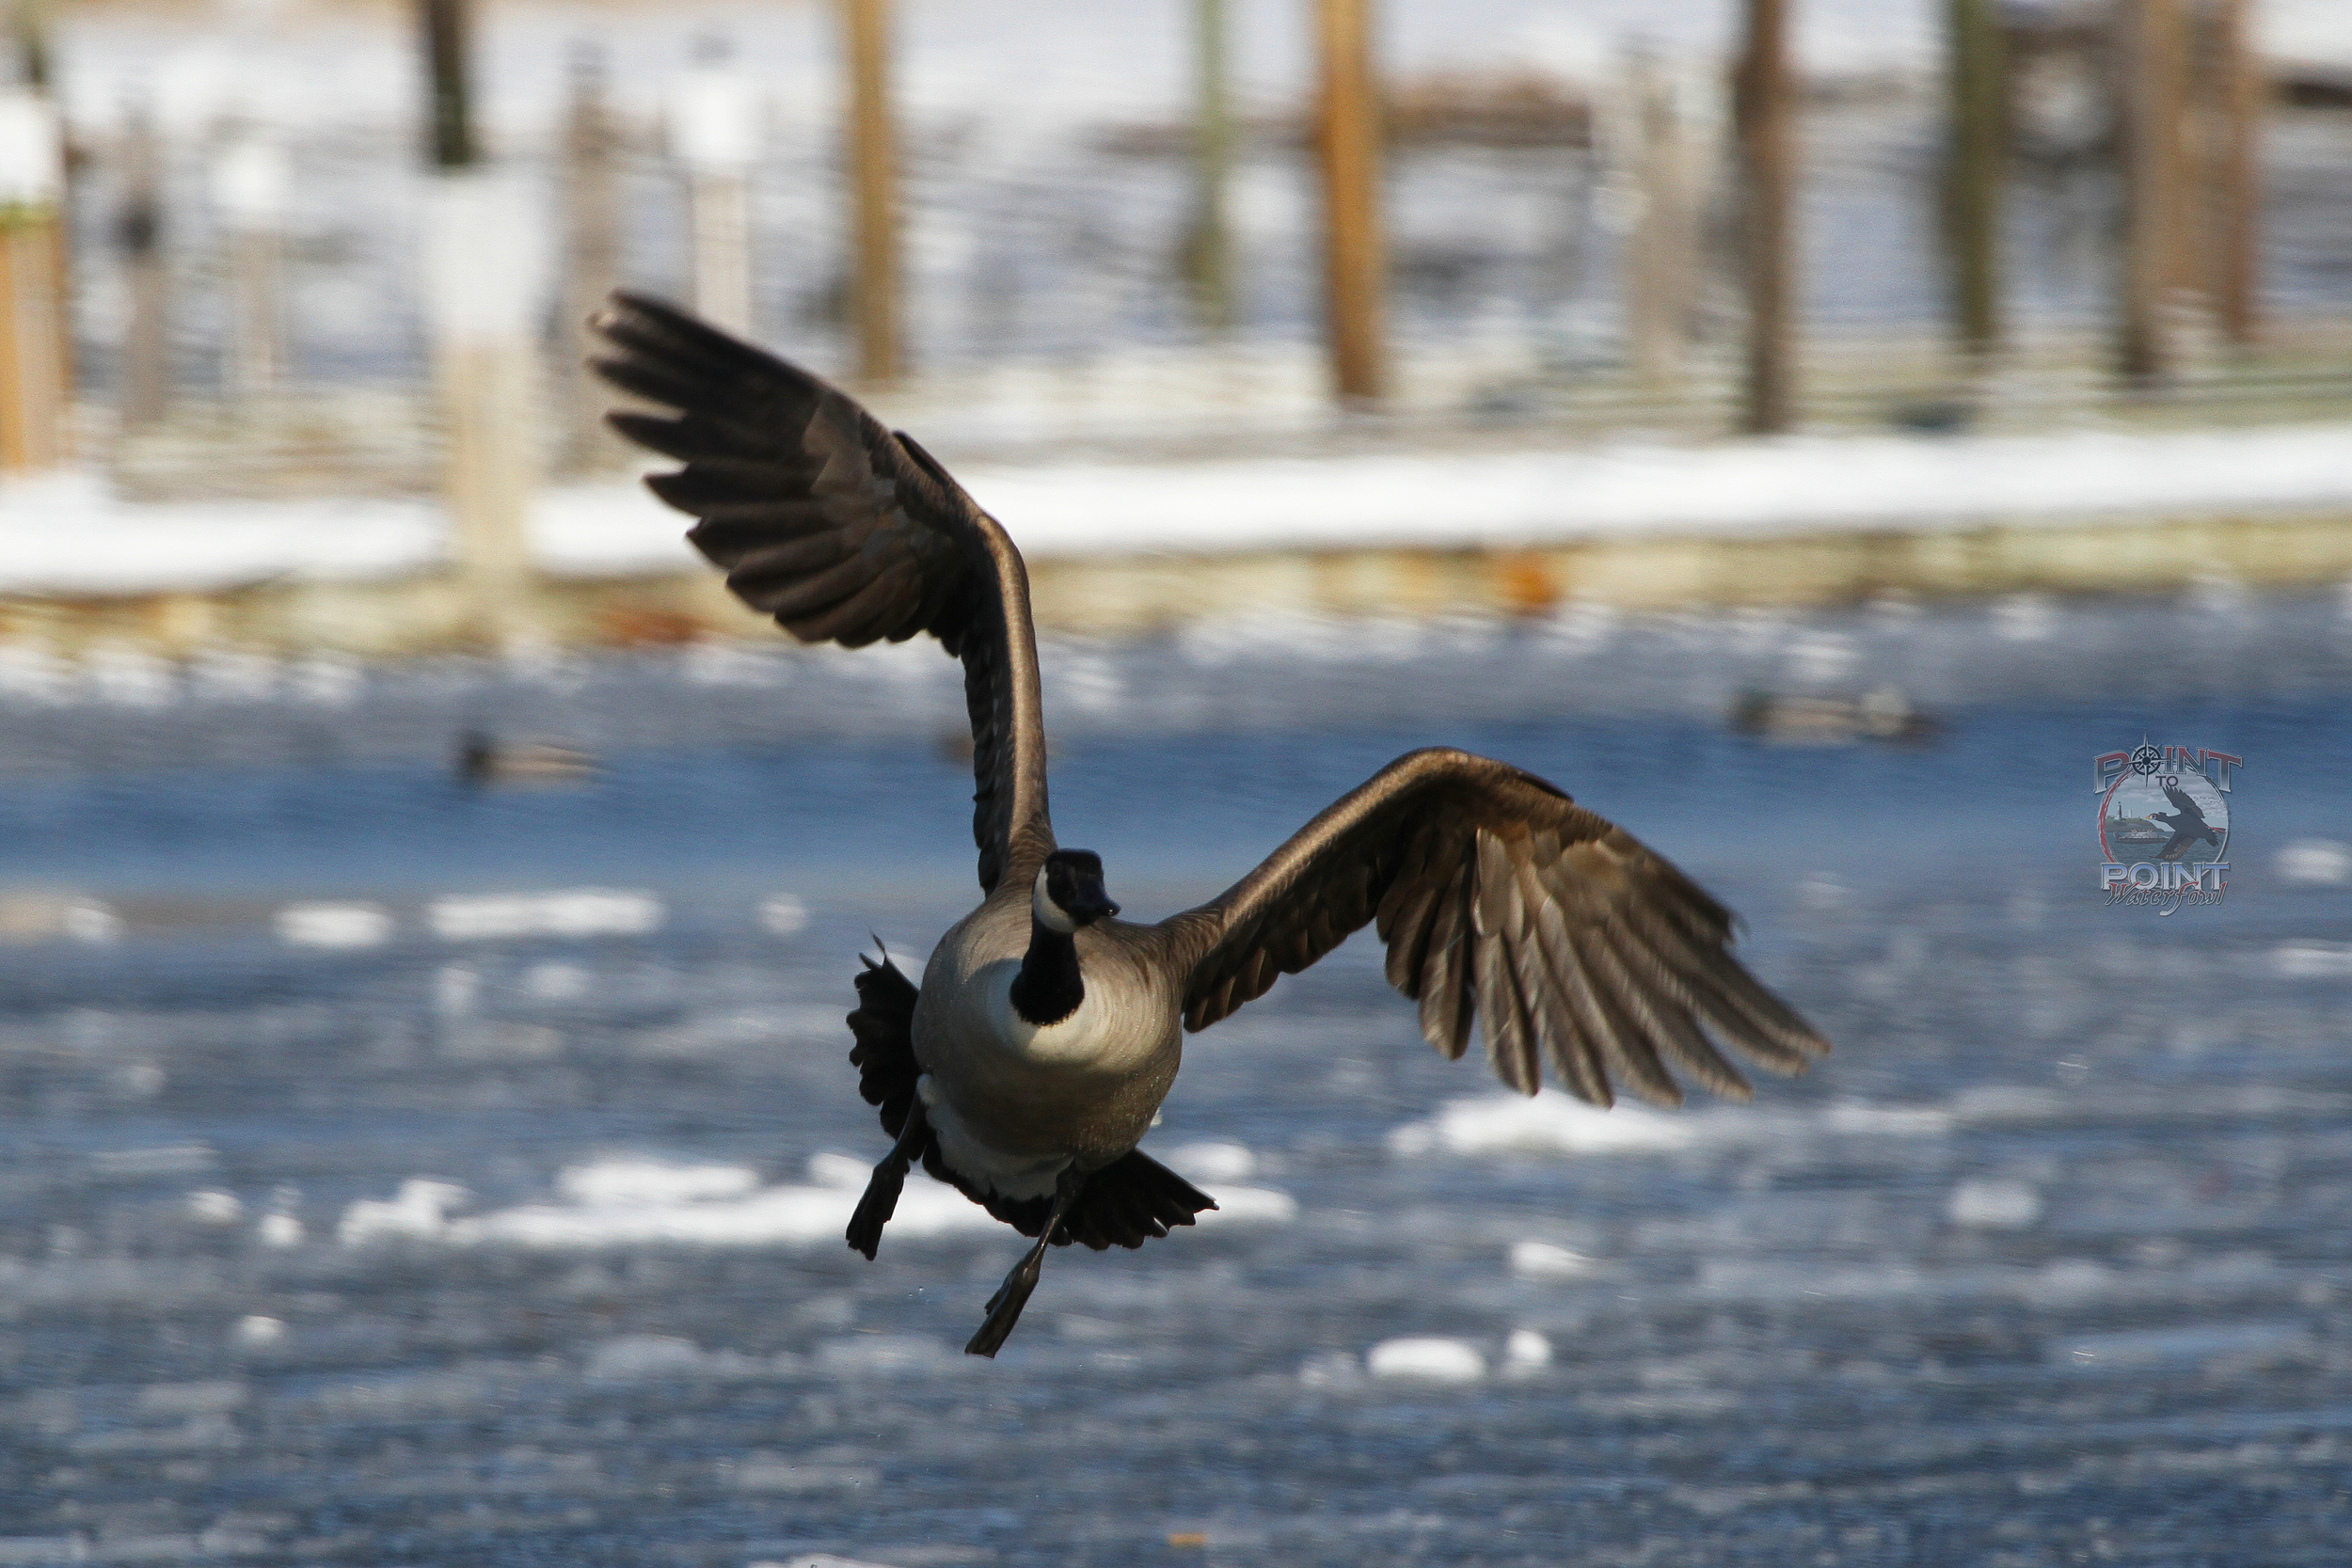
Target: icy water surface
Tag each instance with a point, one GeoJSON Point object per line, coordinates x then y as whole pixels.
{"type": "Point", "coordinates": [485, 1242]}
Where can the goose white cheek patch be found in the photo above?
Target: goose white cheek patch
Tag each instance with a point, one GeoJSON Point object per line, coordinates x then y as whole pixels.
{"type": "Point", "coordinates": [1049, 915]}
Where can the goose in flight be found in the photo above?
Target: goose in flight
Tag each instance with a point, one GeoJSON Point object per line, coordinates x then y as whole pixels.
{"type": "Point", "coordinates": [1046, 1029]}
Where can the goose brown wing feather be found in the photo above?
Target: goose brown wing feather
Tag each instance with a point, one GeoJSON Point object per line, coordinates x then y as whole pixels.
{"type": "Point", "coordinates": [843, 532]}
{"type": "Point", "coordinates": [1506, 906]}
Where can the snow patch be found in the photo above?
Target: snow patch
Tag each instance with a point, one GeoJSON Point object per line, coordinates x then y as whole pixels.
{"type": "Point", "coordinates": [645, 1355]}
{"type": "Point", "coordinates": [623, 1180]}
{"type": "Point", "coordinates": [1426, 1360]}
{"type": "Point", "coordinates": [416, 1213]}
{"type": "Point", "coordinates": [784, 915]}
{"type": "Point", "coordinates": [2323, 861]}
{"type": "Point", "coordinates": [215, 1208]}
{"type": "Point", "coordinates": [255, 1331]}
{"type": "Point", "coordinates": [338, 925]}
{"type": "Point", "coordinates": [1547, 1123]}
{"type": "Point", "coordinates": [1248, 1206]}
{"type": "Point", "coordinates": [1544, 1260]}
{"type": "Point", "coordinates": [623, 1203]}
{"type": "Point", "coordinates": [1994, 1205]}
{"type": "Point", "coordinates": [2311, 960]}
{"type": "Point", "coordinates": [574, 912]}
{"type": "Point", "coordinates": [1212, 1162]}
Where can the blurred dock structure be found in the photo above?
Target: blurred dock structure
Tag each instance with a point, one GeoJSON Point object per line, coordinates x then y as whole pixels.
{"type": "Point", "coordinates": [1538, 260]}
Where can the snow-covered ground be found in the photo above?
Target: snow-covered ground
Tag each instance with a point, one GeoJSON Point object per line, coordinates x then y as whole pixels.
{"type": "Point", "coordinates": [68, 535]}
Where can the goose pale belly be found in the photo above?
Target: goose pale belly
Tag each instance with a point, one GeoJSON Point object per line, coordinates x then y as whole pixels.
{"type": "Point", "coordinates": [1013, 1103]}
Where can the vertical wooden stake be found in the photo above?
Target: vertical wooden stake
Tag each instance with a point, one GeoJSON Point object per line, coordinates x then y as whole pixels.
{"type": "Point", "coordinates": [1661, 243]}
{"type": "Point", "coordinates": [873, 180]}
{"type": "Point", "coordinates": [1354, 253]}
{"type": "Point", "coordinates": [721, 203]}
{"type": "Point", "coordinates": [1976, 155]}
{"type": "Point", "coordinates": [482, 274]}
{"type": "Point", "coordinates": [1208, 249]}
{"type": "Point", "coordinates": [714, 131]}
{"type": "Point", "coordinates": [1765, 111]}
{"type": "Point", "coordinates": [250, 183]}
{"type": "Point", "coordinates": [591, 258]}
{"type": "Point", "coordinates": [2233, 216]}
{"type": "Point", "coordinates": [448, 119]}
{"type": "Point", "coordinates": [144, 391]}
{"type": "Point", "coordinates": [33, 363]}
{"type": "Point", "coordinates": [2152, 55]}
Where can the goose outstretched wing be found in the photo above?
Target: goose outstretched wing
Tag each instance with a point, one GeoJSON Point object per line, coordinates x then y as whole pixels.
{"type": "Point", "coordinates": [1504, 903]}
{"type": "Point", "coordinates": [845, 533]}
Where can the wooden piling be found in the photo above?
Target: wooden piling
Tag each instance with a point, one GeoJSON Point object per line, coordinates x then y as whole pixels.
{"type": "Point", "coordinates": [1976, 159]}
{"type": "Point", "coordinates": [592, 259]}
{"type": "Point", "coordinates": [2151, 56]}
{"type": "Point", "coordinates": [448, 116]}
{"type": "Point", "coordinates": [1355, 248]}
{"type": "Point", "coordinates": [33, 338]}
{"type": "Point", "coordinates": [1661, 248]}
{"type": "Point", "coordinates": [714, 131]}
{"type": "Point", "coordinates": [481, 275]}
{"type": "Point", "coordinates": [2233, 208]}
{"type": "Point", "coordinates": [1764, 112]}
{"type": "Point", "coordinates": [144, 388]}
{"type": "Point", "coordinates": [873, 195]}
{"type": "Point", "coordinates": [1208, 243]}
{"type": "Point", "coordinates": [250, 195]}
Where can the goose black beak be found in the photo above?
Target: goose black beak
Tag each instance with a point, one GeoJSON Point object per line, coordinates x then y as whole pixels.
{"type": "Point", "coordinates": [1091, 905]}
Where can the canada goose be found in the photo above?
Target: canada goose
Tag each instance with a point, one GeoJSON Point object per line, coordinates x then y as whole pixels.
{"type": "Point", "coordinates": [1047, 1030]}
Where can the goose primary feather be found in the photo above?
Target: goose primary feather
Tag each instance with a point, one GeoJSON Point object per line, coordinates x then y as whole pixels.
{"type": "Point", "coordinates": [1027, 1065]}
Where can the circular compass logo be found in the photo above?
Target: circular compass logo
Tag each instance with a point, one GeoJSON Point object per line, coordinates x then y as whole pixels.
{"type": "Point", "coordinates": [2164, 824]}
{"type": "Point", "coordinates": [2159, 817]}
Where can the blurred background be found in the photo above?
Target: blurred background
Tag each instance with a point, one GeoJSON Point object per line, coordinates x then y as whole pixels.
{"type": "Point", "coordinates": [1809, 431]}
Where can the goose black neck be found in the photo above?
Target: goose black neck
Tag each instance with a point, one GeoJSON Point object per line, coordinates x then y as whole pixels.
{"type": "Point", "coordinates": [1048, 988]}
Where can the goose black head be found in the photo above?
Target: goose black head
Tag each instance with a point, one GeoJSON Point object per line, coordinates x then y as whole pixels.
{"type": "Point", "coordinates": [1068, 892]}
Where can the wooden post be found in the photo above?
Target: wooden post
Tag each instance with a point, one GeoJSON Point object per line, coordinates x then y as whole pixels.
{"type": "Point", "coordinates": [1661, 248]}
{"type": "Point", "coordinates": [1976, 155]}
{"type": "Point", "coordinates": [714, 131]}
{"type": "Point", "coordinates": [591, 258]}
{"type": "Point", "coordinates": [1765, 111]}
{"type": "Point", "coordinates": [448, 119]}
{"type": "Point", "coordinates": [481, 283]}
{"type": "Point", "coordinates": [873, 180]}
{"type": "Point", "coordinates": [1208, 249]}
{"type": "Point", "coordinates": [2152, 56]}
{"type": "Point", "coordinates": [1355, 251]}
{"type": "Point", "coordinates": [2234, 213]}
{"type": "Point", "coordinates": [250, 189]}
{"type": "Point", "coordinates": [33, 372]}
{"type": "Point", "coordinates": [144, 390]}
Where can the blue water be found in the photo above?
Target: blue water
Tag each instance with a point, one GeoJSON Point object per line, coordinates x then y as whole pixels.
{"type": "Point", "coordinates": [1799, 1337]}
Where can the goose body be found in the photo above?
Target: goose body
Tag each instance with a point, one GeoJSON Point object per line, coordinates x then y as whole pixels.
{"type": "Point", "coordinates": [1029, 1064]}
{"type": "Point", "coordinates": [1039, 1098]}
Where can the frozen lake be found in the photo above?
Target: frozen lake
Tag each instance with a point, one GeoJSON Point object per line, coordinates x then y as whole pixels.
{"type": "Point", "coordinates": [508, 1232]}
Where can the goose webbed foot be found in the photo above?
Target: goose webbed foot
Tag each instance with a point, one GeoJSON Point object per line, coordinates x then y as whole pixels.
{"type": "Point", "coordinates": [1004, 1307]}
{"type": "Point", "coordinates": [881, 1194]}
